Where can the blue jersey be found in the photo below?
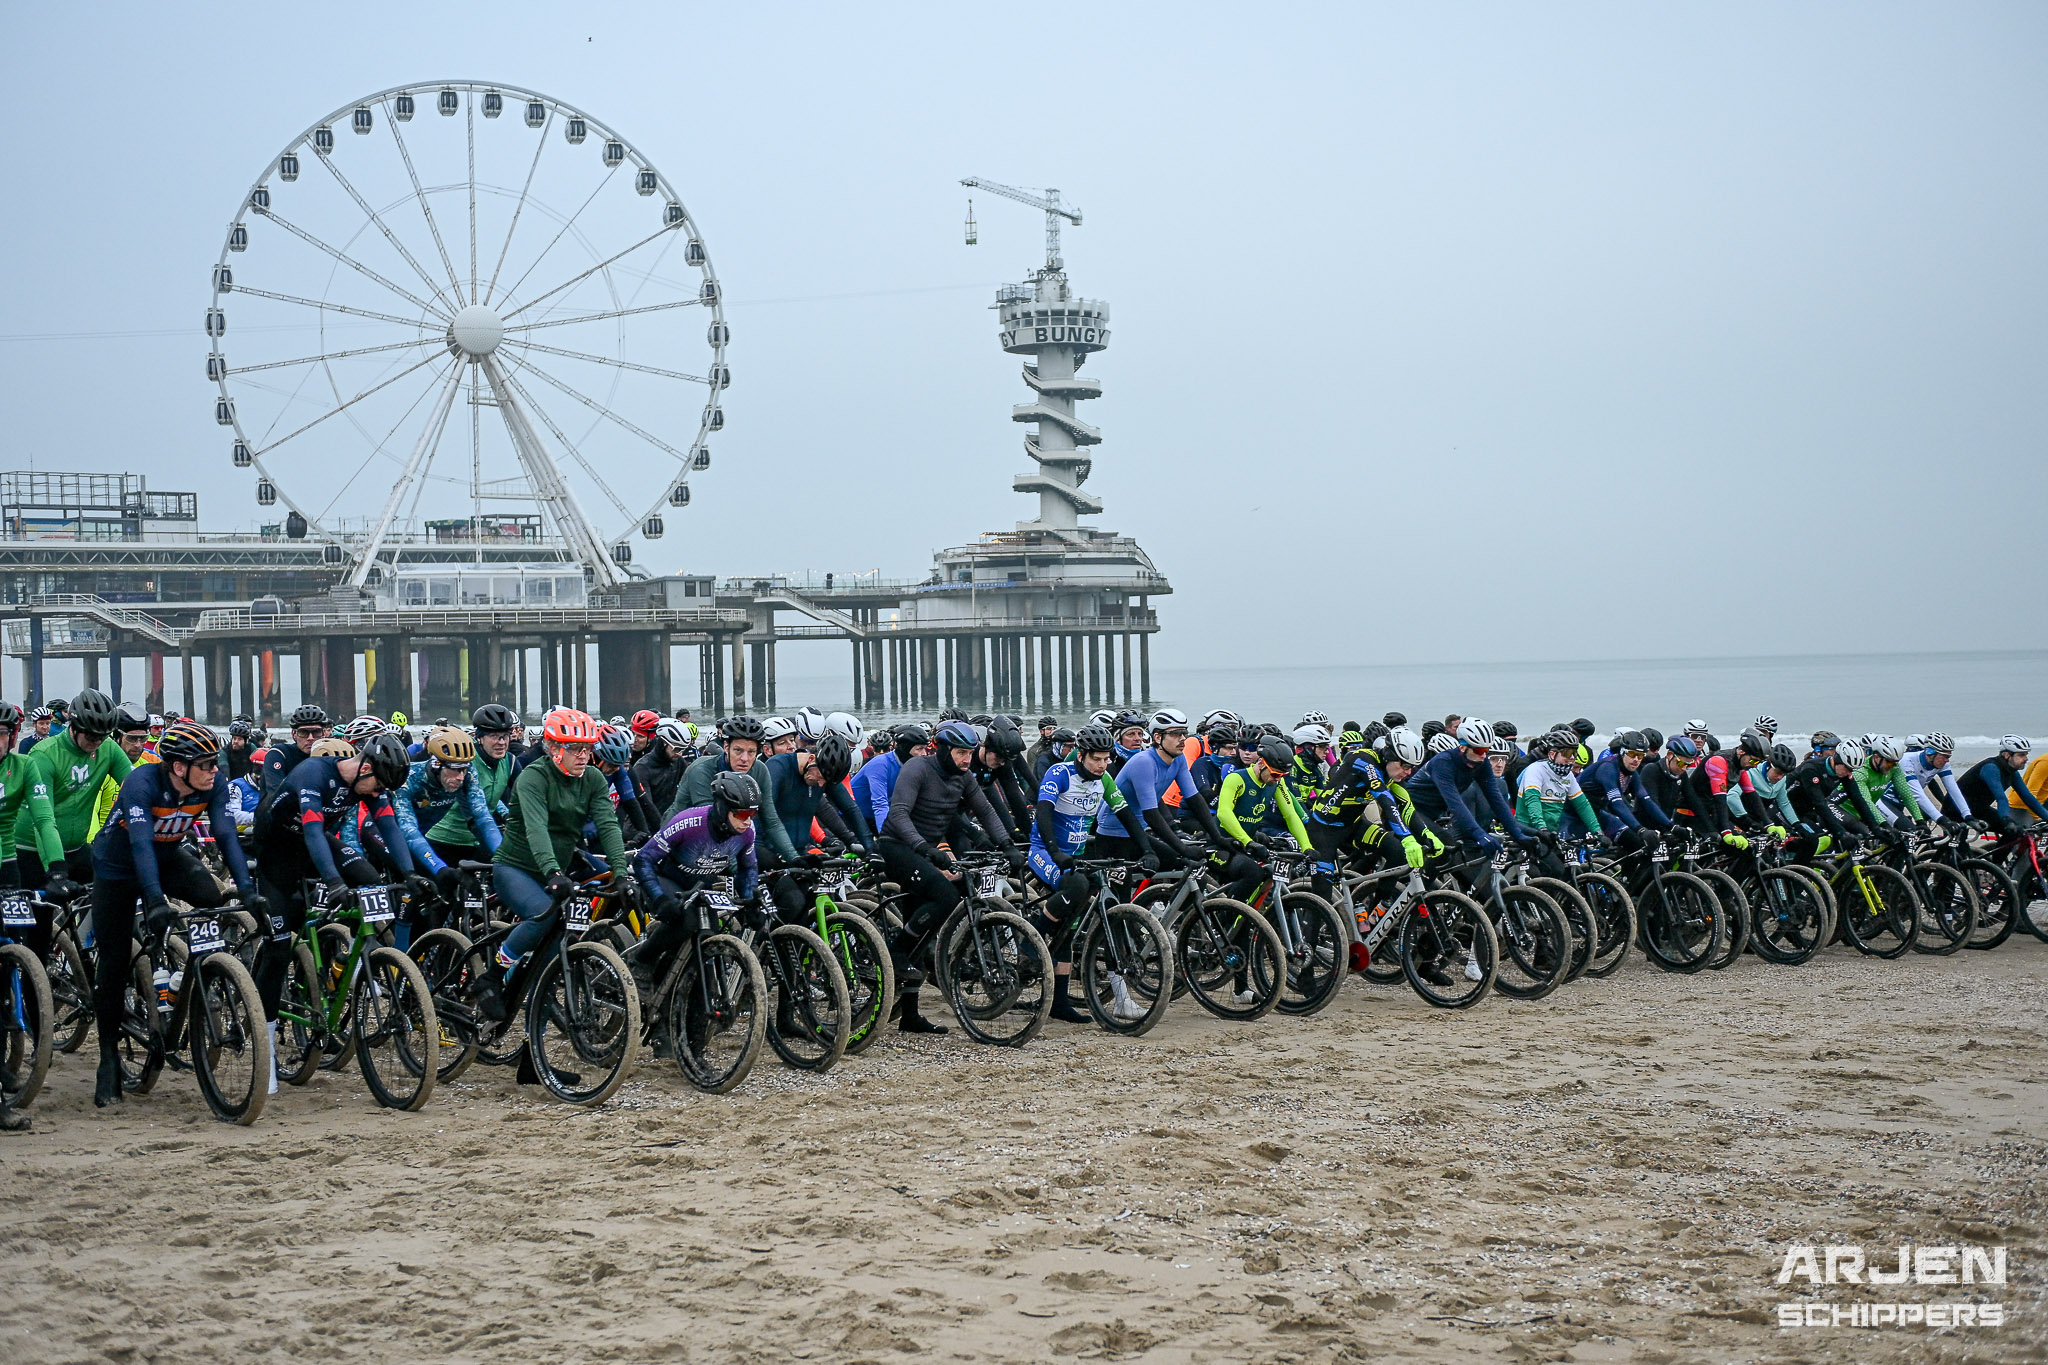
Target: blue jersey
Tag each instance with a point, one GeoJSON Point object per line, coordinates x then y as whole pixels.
{"type": "Point", "coordinates": [872, 786]}
{"type": "Point", "coordinates": [1076, 800]}
{"type": "Point", "coordinates": [685, 849]}
{"type": "Point", "coordinates": [148, 814]}
{"type": "Point", "coordinates": [422, 803]}
{"type": "Point", "coordinates": [1145, 779]}
{"type": "Point", "coordinates": [316, 801]}
{"type": "Point", "coordinates": [1449, 787]}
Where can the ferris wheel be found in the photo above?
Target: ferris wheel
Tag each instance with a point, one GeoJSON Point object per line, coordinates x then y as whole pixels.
{"type": "Point", "coordinates": [477, 245]}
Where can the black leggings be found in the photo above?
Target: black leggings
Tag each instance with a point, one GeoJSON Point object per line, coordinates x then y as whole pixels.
{"type": "Point", "coordinates": [31, 875]}
{"type": "Point", "coordinates": [936, 895]}
{"type": "Point", "coordinates": [114, 902]}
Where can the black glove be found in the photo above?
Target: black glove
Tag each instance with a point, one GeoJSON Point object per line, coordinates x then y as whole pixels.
{"type": "Point", "coordinates": [558, 885]}
{"type": "Point", "coordinates": [449, 880]}
{"type": "Point", "coordinates": [1149, 863]}
{"type": "Point", "coordinates": [1632, 839]}
{"type": "Point", "coordinates": [158, 917]}
{"type": "Point", "coordinates": [942, 860]}
{"type": "Point", "coordinates": [666, 906]}
{"type": "Point", "coordinates": [336, 889]}
{"type": "Point", "coordinates": [61, 888]}
{"type": "Point", "coordinates": [419, 884]}
{"type": "Point", "coordinates": [1016, 860]}
{"type": "Point", "coordinates": [256, 903]}
{"type": "Point", "coordinates": [1529, 843]}
{"type": "Point", "coordinates": [1267, 839]}
{"type": "Point", "coordinates": [812, 860]}
{"type": "Point", "coordinates": [1060, 859]}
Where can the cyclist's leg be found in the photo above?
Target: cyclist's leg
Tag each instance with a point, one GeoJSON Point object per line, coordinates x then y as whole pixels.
{"type": "Point", "coordinates": [113, 916]}
{"type": "Point", "coordinates": [521, 892]}
{"type": "Point", "coordinates": [934, 898]}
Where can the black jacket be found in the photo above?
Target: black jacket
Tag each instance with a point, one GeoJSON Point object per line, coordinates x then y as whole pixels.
{"type": "Point", "coordinates": [927, 795]}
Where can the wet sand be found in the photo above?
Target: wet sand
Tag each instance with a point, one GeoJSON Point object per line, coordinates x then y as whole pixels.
{"type": "Point", "coordinates": [1610, 1174]}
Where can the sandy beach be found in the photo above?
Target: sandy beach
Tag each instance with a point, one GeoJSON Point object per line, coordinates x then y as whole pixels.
{"type": "Point", "coordinates": [1614, 1173]}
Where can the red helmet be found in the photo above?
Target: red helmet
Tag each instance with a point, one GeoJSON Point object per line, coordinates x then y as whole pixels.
{"type": "Point", "coordinates": [645, 721]}
{"type": "Point", "coordinates": [564, 726]}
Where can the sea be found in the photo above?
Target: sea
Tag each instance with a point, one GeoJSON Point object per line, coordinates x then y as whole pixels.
{"type": "Point", "coordinates": [1975, 697]}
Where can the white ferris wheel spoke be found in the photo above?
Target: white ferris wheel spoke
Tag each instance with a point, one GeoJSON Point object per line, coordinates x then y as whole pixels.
{"type": "Point", "coordinates": [551, 489]}
{"type": "Point", "coordinates": [469, 115]}
{"type": "Point", "coordinates": [608, 360]}
{"type": "Point", "coordinates": [454, 285]}
{"type": "Point", "coordinates": [422, 452]}
{"type": "Point", "coordinates": [607, 314]}
{"type": "Point", "coordinates": [382, 226]}
{"type": "Point", "coordinates": [560, 232]}
{"type": "Point", "coordinates": [568, 445]}
{"type": "Point", "coordinates": [343, 407]}
{"type": "Point", "coordinates": [378, 451]}
{"type": "Point", "coordinates": [579, 278]}
{"type": "Point", "coordinates": [332, 355]}
{"type": "Point", "coordinates": [476, 464]}
{"type": "Point", "coordinates": [526, 189]}
{"type": "Point", "coordinates": [605, 412]}
{"type": "Point", "coordinates": [326, 306]}
{"type": "Point", "coordinates": [353, 264]}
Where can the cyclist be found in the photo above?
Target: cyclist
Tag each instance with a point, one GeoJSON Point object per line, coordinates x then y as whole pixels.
{"type": "Point", "coordinates": [876, 780]}
{"type": "Point", "coordinates": [1704, 788]}
{"type": "Point", "coordinates": [131, 732]}
{"type": "Point", "coordinates": [453, 838]}
{"type": "Point", "coordinates": [1549, 790]}
{"type": "Point", "coordinates": [1763, 805]}
{"type": "Point", "coordinates": [692, 850]}
{"type": "Point", "coordinates": [1453, 788]}
{"type": "Point", "coordinates": [1813, 789]}
{"type": "Point", "coordinates": [778, 736]}
{"type": "Point", "coordinates": [1048, 726]}
{"type": "Point", "coordinates": [236, 757]}
{"type": "Point", "coordinates": [929, 794]}
{"type": "Point", "coordinates": [1145, 782]}
{"type": "Point", "coordinates": [54, 830]}
{"type": "Point", "coordinates": [441, 784]}
{"type": "Point", "coordinates": [14, 784]}
{"type": "Point", "coordinates": [40, 720]}
{"type": "Point", "coordinates": [1985, 785]}
{"type": "Point", "coordinates": [1219, 759]}
{"type": "Point", "coordinates": [1767, 726]}
{"type": "Point", "coordinates": [1359, 812]}
{"type": "Point", "coordinates": [645, 723]}
{"type": "Point", "coordinates": [807, 786]}
{"type": "Point", "coordinates": [1256, 811]}
{"type": "Point", "coordinates": [1927, 766]}
{"type": "Point", "coordinates": [553, 802]}
{"type": "Point", "coordinates": [141, 856]}
{"type": "Point", "coordinates": [1058, 748]}
{"type": "Point", "coordinates": [1657, 783]}
{"type": "Point", "coordinates": [613, 756]}
{"type": "Point", "coordinates": [659, 770]}
{"type": "Point", "coordinates": [309, 726]}
{"type": "Point", "coordinates": [998, 760]}
{"type": "Point", "coordinates": [1884, 783]}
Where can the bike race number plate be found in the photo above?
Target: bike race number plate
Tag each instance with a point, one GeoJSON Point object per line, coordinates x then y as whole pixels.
{"type": "Point", "coordinates": [719, 901]}
{"type": "Point", "coordinates": [835, 884]}
{"type": "Point", "coordinates": [576, 915]}
{"type": "Point", "coordinates": [376, 904]}
{"type": "Point", "coordinates": [17, 912]}
{"type": "Point", "coordinates": [203, 936]}
{"type": "Point", "coordinates": [985, 883]}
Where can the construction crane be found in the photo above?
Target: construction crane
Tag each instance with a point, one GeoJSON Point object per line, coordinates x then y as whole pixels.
{"type": "Point", "coordinates": [1050, 204]}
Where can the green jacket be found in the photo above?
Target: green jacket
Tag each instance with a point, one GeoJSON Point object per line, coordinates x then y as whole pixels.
{"type": "Point", "coordinates": [454, 826]}
{"type": "Point", "coordinates": [1878, 785]}
{"type": "Point", "coordinates": [549, 813]}
{"type": "Point", "coordinates": [16, 776]}
{"type": "Point", "coordinates": [695, 790]}
{"type": "Point", "coordinates": [64, 787]}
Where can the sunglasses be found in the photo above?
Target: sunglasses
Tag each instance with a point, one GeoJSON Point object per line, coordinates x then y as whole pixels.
{"type": "Point", "coordinates": [206, 764]}
{"type": "Point", "coordinates": [309, 732]}
{"type": "Point", "coordinates": [455, 768]}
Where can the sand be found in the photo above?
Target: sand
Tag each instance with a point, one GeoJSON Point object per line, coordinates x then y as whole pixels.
{"type": "Point", "coordinates": [1614, 1173]}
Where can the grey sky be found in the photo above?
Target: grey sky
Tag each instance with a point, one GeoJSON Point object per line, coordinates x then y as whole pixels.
{"type": "Point", "coordinates": [1736, 298]}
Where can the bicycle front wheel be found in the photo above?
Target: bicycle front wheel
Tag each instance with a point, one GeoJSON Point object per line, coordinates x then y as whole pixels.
{"type": "Point", "coordinates": [141, 1044]}
{"type": "Point", "coordinates": [1321, 955]}
{"type": "Point", "coordinates": [230, 1042]}
{"type": "Point", "coordinates": [301, 1019]}
{"type": "Point", "coordinates": [1996, 899]}
{"type": "Point", "coordinates": [809, 1015]}
{"type": "Point", "coordinates": [582, 1023]}
{"type": "Point", "coordinates": [863, 956]}
{"type": "Point", "coordinates": [1124, 964]}
{"type": "Point", "coordinates": [998, 977]}
{"type": "Point", "coordinates": [1735, 910]}
{"type": "Point", "coordinates": [1792, 922]}
{"type": "Point", "coordinates": [1232, 960]}
{"type": "Point", "coordinates": [1680, 923]}
{"type": "Point", "coordinates": [711, 1013]}
{"type": "Point", "coordinates": [1448, 950]}
{"type": "Point", "coordinates": [1535, 944]}
{"type": "Point", "coordinates": [445, 959]}
{"type": "Point", "coordinates": [1948, 910]}
{"type": "Point", "coordinates": [1882, 916]}
{"type": "Point", "coordinates": [397, 1037]}
{"type": "Point", "coordinates": [26, 1019]}
{"type": "Point", "coordinates": [1578, 917]}
{"type": "Point", "coordinates": [1615, 910]}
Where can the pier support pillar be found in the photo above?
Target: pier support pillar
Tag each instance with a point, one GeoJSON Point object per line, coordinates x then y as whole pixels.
{"type": "Point", "coordinates": [186, 697]}
{"type": "Point", "coordinates": [153, 696]}
{"type": "Point", "coordinates": [1145, 667]}
{"type": "Point", "coordinates": [219, 686]}
{"type": "Point", "coordinates": [338, 678]}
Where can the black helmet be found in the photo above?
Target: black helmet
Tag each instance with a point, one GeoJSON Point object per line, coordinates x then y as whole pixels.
{"type": "Point", "coordinates": [1632, 742]}
{"type": "Point", "coordinates": [909, 735]}
{"type": "Point", "coordinates": [1222, 732]}
{"type": "Point", "coordinates": [1125, 719]}
{"type": "Point", "coordinates": [1048, 722]}
{"type": "Point", "coordinates": [241, 728]}
{"type": "Point", "coordinates": [731, 791]}
{"type": "Point", "coordinates": [1093, 739]}
{"type": "Point", "coordinates": [1652, 739]}
{"type": "Point", "coordinates": [983, 719]}
{"type": "Point", "coordinates": [1278, 753]}
{"type": "Point", "coordinates": [10, 715]}
{"type": "Point", "coordinates": [739, 727]}
{"type": "Point", "coordinates": [1006, 740]}
{"type": "Point", "coordinates": [187, 741]}
{"type": "Point", "coordinates": [1751, 744]}
{"type": "Point", "coordinates": [309, 714]}
{"type": "Point", "coordinates": [1782, 758]}
{"type": "Point", "coordinates": [835, 757]}
{"type": "Point", "coordinates": [93, 712]}
{"type": "Point", "coordinates": [387, 758]}
{"type": "Point", "coordinates": [1583, 728]}
{"type": "Point", "coordinates": [1374, 732]}
{"type": "Point", "coordinates": [1557, 739]}
{"type": "Point", "coordinates": [1393, 720]}
{"type": "Point", "coordinates": [952, 713]}
{"type": "Point", "coordinates": [1506, 729]}
{"type": "Point", "coordinates": [1431, 729]}
{"type": "Point", "coordinates": [1063, 737]}
{"type": "Point", "coordinates": [129, 717]}
{"type": "Point", "coordinates": [493, 719]}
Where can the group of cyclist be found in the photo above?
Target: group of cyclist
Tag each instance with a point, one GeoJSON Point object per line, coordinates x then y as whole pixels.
{"type": "Point", "coordinates": [113, 799]}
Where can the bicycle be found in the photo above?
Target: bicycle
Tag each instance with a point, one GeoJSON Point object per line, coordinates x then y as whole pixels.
{"type": "Point", "coordinates": [1993, 886]}
{"type": "Point", "coordinates": [1949, 907]}
{"type": "Point", "coordinates": [1792, 917]}
{"type": "Point", "coordinates": [1120, 954]}
{"type": "Point", "coordinates": [28, 1015]}
{"type": "Point", "coordinates": [995, 968]}
{"type": "Point", "coordinates": [1443, 924]}
{"type": "Point", "coordinates": [809, 1013]}
{"type": "Point", "coordinates": [443, 955]}
{"type": "Point", "coordinates": [1226, 954]}
{"type": "Point", "coordinates": [2020, 854]}
{"type": "Point", "coordinates": [369, 999]}
{"type": "Point", "coordinates": [1612, 909]}
{"type": "Point", "coordinates": [855, 943]}
{"type": "Point", "coordinates": [1678, 917]}
{"type": "Point", "coordinates": [1535, 941]}
{"type": "Point", "coordinates": [1876, 902]}
{"type": "Point", "coordinates": [707, 1014]}
{"type": "Point", "coordinates": [1737, 914]}
{"type": "Point", "coordinates": [1311, 933]}
{"type": "Point", "coordinates": [206, 1015]}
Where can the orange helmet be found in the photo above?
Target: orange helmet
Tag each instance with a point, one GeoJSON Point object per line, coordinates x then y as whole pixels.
{"type": "Point", "coordinates": [564, 726]}
{"type": "Point", "coordinates": [644, 722]}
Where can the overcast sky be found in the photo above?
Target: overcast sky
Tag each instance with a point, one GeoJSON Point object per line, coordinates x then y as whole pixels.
{"type": "Point", "coordinates": [1440, 331]}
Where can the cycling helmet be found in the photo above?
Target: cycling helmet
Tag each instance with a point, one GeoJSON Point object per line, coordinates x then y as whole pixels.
{"type": "Point", "coordinates": [1093, 739]}
{"type": "Point", "coordinates": [834, 756]}
{"type": "Point", "coordinates": [92, 711]}
{"type": "Point", "coordinates": [1106, 717]}
{"type": "Point", "coordinates": [1849, 754]}
{"type": "Point", "coordinates": [331, 747]}
{"type": "Point", "coordinates": [1276, 754]}
{"type": "Point", "coordinates": [240, 727]}
{"type": "Point", "coordinates": [1868, 739]}
{"type": "Point", "coordinates": [908, 736]}
{"type": "Point", "coordinates": [644, 722]}
{"type": "Point", "coordinates": [980, 720]}
{"type": "Point", "coordinates": [1006, 740]}
{"type": "Point", "coordinates": [2015, 744]}
{"type": "Point", "coordinates": [1553, 740]}
{"type": "Point", "coordinates": [731, 791]}
{"type": "Point", "coordinates": [1311, 734]}
{"type": "Point", "coordinates": [1127, 719]}
{"type": "Point", "coordinates": [41, 713]}
{"type": "Point", "coordinates": [1767, 726]}
{"type": "Point", "coordinates": [958, 734]}
{"type": "Point", "coordinates": [1220, 717]}
{"type": "Point", "coordinates": [777, 727]}
{"type": "Point", "coordinates": [1782, 758]}
{"type": "Point", "coordinates": [1475, 734]}
{"type": "Point", "coordinates": [614, 746]}
{"type": "Point", "coordinates": [1682, 746]}
{"type": "Point", "coordinates": [1824, 740]}
{"type": "Point", "coordinates": [740, 727]}
{"type": "Point", "coordinates": [130, 717]}
{"type": "Point", "coordinates": [398, 718]}
{"type": "Point", "coordinates": [1222, 732]}
{"type": "Point", "coordinates": [360, 729]}
{"type": "Point", "coordinates": [1583, 728]}
{"type": "Point", "coordinates": [1886, 748]}
{"type": "Point", "coordinates": [494, 720]}
{"type": "Point", "coordinates": [387, 759]}
{"type": "Point", "coordinates": [1507, 728]}
{"type": "Point", "coordinates": [10, 715]}
{"type": "Point", "coordinates": [810, 723]}
{"type": "Point", "coordinates": [1404, 744]}
{"type": "Point", "coordinates": [1939, 743]}
{"type": "Point", "coordinates": [450, 745]}
{"type": "Point", "coordinates": [1167, 718]}
{"type": "Point", "coordinates": [1632, 742]}
{"type": "Point", "coordinates": [563, 726]}
{"type": "Point", "coordinates": [955, 713]}
{"type": "Point", "coordinates": [1502, 747]}
{"type": "Point", "coordinates": [1697, 728]}
{"type": "Point", "coordinates": [186, 742]}
{"type": "Point", "coordinates": [309, 714]}
{"type": "Point", "coordinates": [1653, 738]}
{"type": "Point", "coordinates": [1441, 742]}
{"type": "Point", "coordinates": [1352, 739]}
{"type": "Point", "coordinates": [1431, 729]}
{"type": "Point", "coordinates": [673, 733]}
{"type": "Point", "coordinates": [1752, 744]}
{"type": "Point", "coordinates": [1312, 718]}
{"type": "Point", "coordinates": [847, 727]}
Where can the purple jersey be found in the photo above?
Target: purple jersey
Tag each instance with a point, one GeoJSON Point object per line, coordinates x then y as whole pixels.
{"type": "Point", "coordinates": [685, 842]}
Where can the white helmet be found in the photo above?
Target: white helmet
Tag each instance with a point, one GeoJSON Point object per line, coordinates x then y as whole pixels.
{"type": "Point", "coordinates": [1697, 727]}
{"type": "Point", "coordinates": [1312, 718]}
{"type": "Point", "coordinates": [1168, 718]}
{"type": "Point", "coordinates": [1502, 747]}
{"type": "Point", "coordinates": [674, 733]}
{"type": "Point", "coordinates": [1441, 742]}
{"type": "Point", "coordinates": [846, 727]}
{"type": "Point", "coordinates": [1404, 744]}
{"type": "Point", "coordinates": [1849, 754]}
{"type": "Point", "coordinates": [810, 724]}
{"type": "Point", "coordinates": [1767, 724]}
{"type": "Point", "coordinates": [1105, 718]}
{"type": "Point", "coordinates": [777, 727]}
{"type": "Point", "coordinates": [1311, 732]}
{"type": "Point", "coordinates": [1916, 741]}
{"type": "Point", "coordinates": [1939, 743]}
{"type": "Point", "coordinates": [1223, 717]}
{"type": "Point", "coordinates": [1869, 738]}
{"type": "Point", "coordinates": [1476, 734]}
{"type": "Point", "coordinates": [2015, 744]}
{"type": "Point", "coordinates": [1886, 748]}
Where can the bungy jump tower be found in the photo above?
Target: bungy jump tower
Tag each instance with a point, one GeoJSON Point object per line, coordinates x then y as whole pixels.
{"type": "Point", "coordinates": [1072, 593]}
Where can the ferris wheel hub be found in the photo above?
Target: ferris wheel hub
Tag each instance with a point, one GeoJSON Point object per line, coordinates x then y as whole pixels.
{"type": "Point", "coordinates": [477, 330]}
